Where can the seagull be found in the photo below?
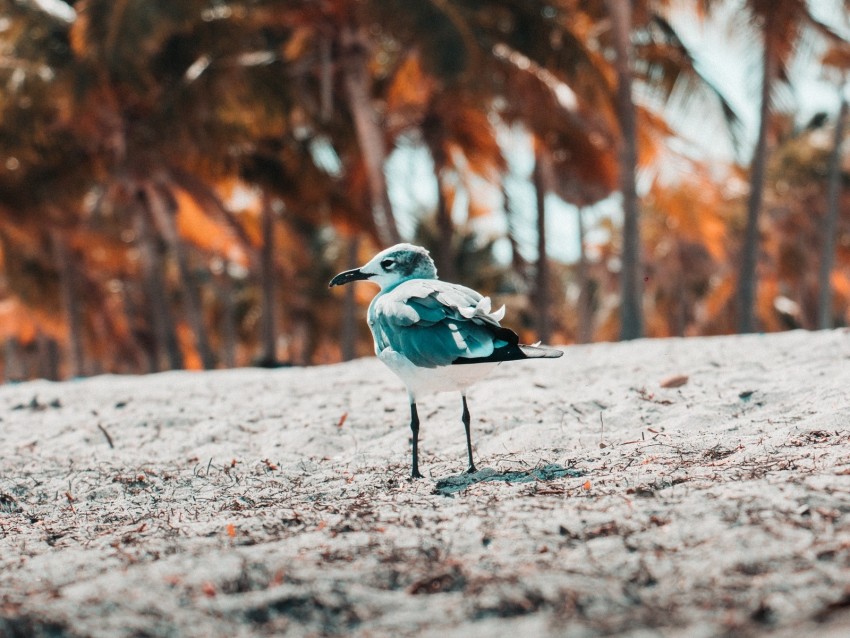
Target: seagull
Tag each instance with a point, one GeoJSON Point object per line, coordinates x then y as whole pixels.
{"type": "Point", "coordinates": [434, 335]}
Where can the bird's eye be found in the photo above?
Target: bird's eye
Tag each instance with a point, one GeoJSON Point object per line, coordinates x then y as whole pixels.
{"type": "Point", "coordinates": [387, 264]}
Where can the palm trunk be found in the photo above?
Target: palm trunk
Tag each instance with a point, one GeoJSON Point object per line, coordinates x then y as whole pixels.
{"type": "Point", "coordinates": [445, 255]}
{"type": "Point", "coordinates": [518, 264]}
{"type": "Point", "coordinates": [679, 320]}
{"type": "Point", "coordinates": [150, 351]}
{"type": "Point", "coordinates": [164, 222]}
{"type": "Point", "coordinates": [357, 81]}
{"type": "Point", "coordinates": [827, 257]}
{"type": "Point", "coordinates": [48, 357]}
{"type": "Point", "coordinates": [12, 365]}
{"type": "Point", "coordinates": [228, 322]}
{"type": "Point", "coordinates": [541, 286]}
{"type": "Point", "coordinates": [348, 336]}
{"type": "Point", "coordinates": [70, 300]}
{"type": "Point", "coordinates": [162, 319]}
{"type": "Point", "coordinates": [747, 281]}
{"type": "Point", "coordinates": [326, 79]}
{"type": "Point", "coordinates": [631, 283]}
{"type": "Point", "coordinates": [268, 324]}
{"type": "Point", "coordinates": [585, 301]}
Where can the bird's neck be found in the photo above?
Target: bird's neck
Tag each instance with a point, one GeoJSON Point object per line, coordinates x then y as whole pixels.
{"type": "Point", "coordinates": [395, 284]}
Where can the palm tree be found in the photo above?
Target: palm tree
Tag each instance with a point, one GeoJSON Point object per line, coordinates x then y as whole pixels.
{"type": "Point", "coordinates": [46, 172]}
{"type": "Point", "coordinates": [827, 258]}
{"type": "Point", "coordinates": [348, 335]}
{"type": "Point", "coordinates": [657, 59]}
{"type": "Point", "coordinates": [69, 296]}
{"type": "Point", "coordinates": [839, 59]}
{"type": "Point", "coordinates": [780, 26]}
{"type": "Point", "coordinates": [542, 178]}
{"type": "Point", "coordinates": [747, 278]}
{"type": "Point", "coordinates": [328, 85]}
{"type": "Point", "coordinates": [159, 137]}
{"type": "Point", "coordinates": [590, 110]}
{"type": "Point", "coordinates": [631, 282]}
{"type": "Point", "coordinates": [462, 142]}
{"type": "Point", "coordinates": [585, 286]}
{"type": "Point", "coordinates": [163, 324]}
{"type": "Point", "coordinates": [355, 51]}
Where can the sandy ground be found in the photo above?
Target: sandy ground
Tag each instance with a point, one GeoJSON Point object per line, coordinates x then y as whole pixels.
{"type": "Point", "coordinates": [254, 502]}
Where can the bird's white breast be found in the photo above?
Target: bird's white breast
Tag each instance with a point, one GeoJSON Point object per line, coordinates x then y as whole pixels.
{"type": "Point", "coordinates": [419, 380]}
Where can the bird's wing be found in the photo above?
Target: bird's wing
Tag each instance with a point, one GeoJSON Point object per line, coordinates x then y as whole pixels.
{"type": "Point", "coordinates": [433, 323]}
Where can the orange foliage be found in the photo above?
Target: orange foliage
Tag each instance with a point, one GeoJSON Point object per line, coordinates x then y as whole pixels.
{"type": "Point", "coordinates": [197, 227]}
{"type": "Point", "coordinates": [78, 35]}
{"type": "Point", "coordinates": [653, 133]}
{"type": "Point", "coordinates": [298, 43]}
{"type": "Point", "coordinates": [191, 358]}
{"type": "Point", "coordinates": [22, 322]}
{"type": "Point", "coordinates": [693, 210]}
{"type": "Point", "coordinates": [411, 88]}
{"type": "Point", "coordinates": [840, 283]}
{"type": "Point", "coordinates": [767, 293]}
{"type": "Point", "coordinates": [468, 130]}
{"type": "Point", "coordinates": [101, 253]}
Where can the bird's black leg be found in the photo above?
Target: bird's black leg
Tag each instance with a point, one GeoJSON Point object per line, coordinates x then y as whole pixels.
{"type": "Point", "coordinates": [471, 469]}
{"type": "Point", "coordinates": [414, 429]}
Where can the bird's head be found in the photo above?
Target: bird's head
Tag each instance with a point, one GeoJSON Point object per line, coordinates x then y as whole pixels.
{"type": "Point", "coordinates": [392, 266]}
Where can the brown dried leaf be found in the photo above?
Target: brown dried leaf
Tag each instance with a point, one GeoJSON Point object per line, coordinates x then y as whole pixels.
{"type": "Point", "coordinates": [676, 381]}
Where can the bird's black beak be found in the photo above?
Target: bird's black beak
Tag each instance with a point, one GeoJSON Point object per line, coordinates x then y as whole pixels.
{"type": "Point", "coordinates": [347, 277]}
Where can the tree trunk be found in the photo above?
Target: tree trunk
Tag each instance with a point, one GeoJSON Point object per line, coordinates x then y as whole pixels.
{"type": "Point", "coordinates": [631, 282]}
{"type": "Point", "coordinates": [162, 319]}
{"type": "Point", "coordinates": [747, 281]}
{"type": "Point", "coordinates": [12, 365]}
{"type": "Point", "coordinates": [445, 254]}
{"type": "Point", "coordinates": [370, 137]}
{"type": "Point", "coordinates": [268, 323]}
{"type": "Point", "coordinates": [48, 357]}
{"type": "Point", "coordinates": [149, 348]}
{"type": "Point", "coordinates": [679, 320]}
{"type": "Point", "coordinates": [585, 300]}
{"type": "Point", "coordinates": [827, 257]}
{"type": "Point", "coordinates": [326, 79]}
{"type": "Point", "coordinates": [518, 264]}
{"type": "Point", "coordinates": [70, 300]}
{"type": "Point", "coordinates": [348, 337]}
{"type": "Point", "coordinates": [541, 284]}
{"type": "Point", "coordinates": [228, 323]}
{"type": "Point", "coordinates": [164, 222]}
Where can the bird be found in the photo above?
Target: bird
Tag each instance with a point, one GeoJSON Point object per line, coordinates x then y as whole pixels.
{"type": "Point", "coordinates": [434, 335]}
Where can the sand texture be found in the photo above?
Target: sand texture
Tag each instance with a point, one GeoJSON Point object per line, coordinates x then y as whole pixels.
{"type": "Point", "coordinates": [255, 502]}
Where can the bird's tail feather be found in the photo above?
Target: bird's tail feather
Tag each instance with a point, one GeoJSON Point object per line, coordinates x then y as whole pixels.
{"type": "Point", "coordinates": [514, 352]}
{"type": "Point", "coordinates": [540, 352]}
{"type": "Point", "coordinates": [508, 348]}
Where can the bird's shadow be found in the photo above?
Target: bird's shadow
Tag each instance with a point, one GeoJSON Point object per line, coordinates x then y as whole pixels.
{"type": "Point", "coordinates": [454, 484]}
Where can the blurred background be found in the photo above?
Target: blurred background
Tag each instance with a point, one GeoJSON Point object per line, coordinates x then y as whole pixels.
{"type": "Point", "coordinates": [180, 179]}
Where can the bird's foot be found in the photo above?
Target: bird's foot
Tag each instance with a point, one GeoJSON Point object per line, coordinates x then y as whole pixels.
{"type": "Point", "coordinates": [414, 474]}
{"type": "Point", "coordinates": [471, 469]}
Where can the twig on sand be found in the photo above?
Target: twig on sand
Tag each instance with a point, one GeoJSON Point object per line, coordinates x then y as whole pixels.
{"type": "Point", "coordinates": [106, 434]}
{"type": "Point", "coordinates": [602, 443]}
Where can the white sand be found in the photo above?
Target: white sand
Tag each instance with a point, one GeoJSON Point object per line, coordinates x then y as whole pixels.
{"type": "Point", "coordinates": [254, 502]}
